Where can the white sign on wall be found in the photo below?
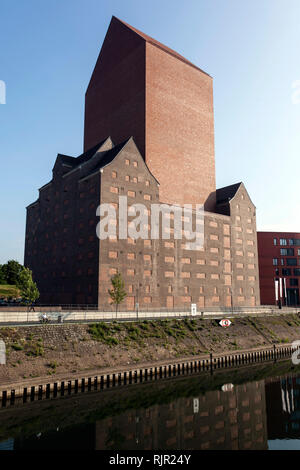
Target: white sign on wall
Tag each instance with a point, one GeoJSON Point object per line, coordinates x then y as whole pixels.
{"type": "Point", "coordinates": [2, 352]}
{"type": "Point", "coordinates": [196, 405]}
{"type": "Point", "coordinates": [194, 309]}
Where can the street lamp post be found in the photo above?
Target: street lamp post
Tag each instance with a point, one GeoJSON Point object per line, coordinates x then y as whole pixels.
{"type": "Point", "coordinates": [137, 302]}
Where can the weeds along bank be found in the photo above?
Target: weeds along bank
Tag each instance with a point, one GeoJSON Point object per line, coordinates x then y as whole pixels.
{"type": "Point", "coordinates": [47, 350]}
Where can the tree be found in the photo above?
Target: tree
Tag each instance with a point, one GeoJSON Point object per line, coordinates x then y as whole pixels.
{"type": "Point", "coordinates": [117, 293]}
{"type": "Point", "coordinates": [11, 271]}
{"type": "Point", "coordinates": [2, 275]}
{"type": "Point", "coordinates": [27, 286]}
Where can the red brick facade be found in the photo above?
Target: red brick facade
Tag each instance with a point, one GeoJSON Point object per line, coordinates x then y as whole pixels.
{"type": "Point", "coordinates": [142, 89]}
{"type": "Point", "coordinates": [279, 258]}
{"type": "Point", "coordinates": [72, 266]}
{"type": "Point", "coordinates": [166, 104]}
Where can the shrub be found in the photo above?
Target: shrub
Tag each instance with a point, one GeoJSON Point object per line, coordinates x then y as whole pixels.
{"type": "Point", "coordinates": [17, 347]}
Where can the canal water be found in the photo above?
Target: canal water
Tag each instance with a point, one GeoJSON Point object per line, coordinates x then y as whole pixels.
{"type": "Point", "coordinates": [253, 407]}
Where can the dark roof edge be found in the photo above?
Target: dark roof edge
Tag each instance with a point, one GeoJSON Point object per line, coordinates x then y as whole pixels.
{"type": "Point", "coordinates": [33, 204]}
{"type": "Point", "coordinates": [160, 45]}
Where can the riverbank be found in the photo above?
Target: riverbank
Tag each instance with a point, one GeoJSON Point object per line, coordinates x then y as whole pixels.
{"type": "Point", "coordinates": [64, 413]}
{"type": "Point", "coordinates": [44, 352]}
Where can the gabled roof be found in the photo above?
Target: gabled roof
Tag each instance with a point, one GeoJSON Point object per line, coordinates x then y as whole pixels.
{"type": "Point", "coordinates": [227, 193]}
{"type": "Point", "coordinates": [65, 159]}
{"type": "Point", "coordinates": [158, 44]}
{"type": "Point", "coordinates": [73, 162]}
{"type": "Point", "coordinates": [109, 155]}
{"type": "Point", "coordinates": [84, 157]}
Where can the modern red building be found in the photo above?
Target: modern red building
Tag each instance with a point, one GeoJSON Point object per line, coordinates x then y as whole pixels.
{"type": "Point", "coordinates": [279, 267]}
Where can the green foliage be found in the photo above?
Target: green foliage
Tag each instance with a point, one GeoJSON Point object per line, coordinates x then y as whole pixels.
{"type": "Point", "coordinates": [17, 347]}
{"type": "Point", "coordinates": [8, 291]}
{"type": "Point", "coordinates": [284, 340]}
{"type": "Point", "coordinates": [103, 332]}
{"type": "Point", "coordinates": [144, 326]}
{"type": "Point", "coordinates": [10, 272]}
{"type": "Point", "coordinates": [134, 333]}
{"type": "Point", "coordinates": [2, 275]}
{"type": "Point", "coordinates": [52, 365]}
{"type": "Point", "coordinates": [27, 286]}
{"type": "Point", "coordinates": [35, 350]}
{"type": "Point", "coordinates": [117, 293]}
{"type": "Point", "coordinates": [190, 324]}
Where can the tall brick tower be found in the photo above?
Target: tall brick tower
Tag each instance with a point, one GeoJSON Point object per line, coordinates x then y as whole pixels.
{"type": "Point", "coordinates": [143, 89]}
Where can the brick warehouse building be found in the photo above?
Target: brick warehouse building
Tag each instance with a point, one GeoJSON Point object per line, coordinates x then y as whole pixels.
{"type": "Point", "coordinates": [148, 136]}
{"type": "Point", "coordinates": [279, 258]}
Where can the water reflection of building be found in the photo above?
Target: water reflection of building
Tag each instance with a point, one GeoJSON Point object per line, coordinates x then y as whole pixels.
{"type": "Point", "coordinates": [283, 408]}
{"type": "Point", "coordinates": [8, 444]}
{"type": "Point", "coordinates": [216, 420]}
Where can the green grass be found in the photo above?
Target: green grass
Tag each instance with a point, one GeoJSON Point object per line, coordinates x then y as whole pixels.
{"type": "Point", "coordinates": [136, 332]}
{"type": "Point", "coordinates": [17, 347]}
{"type": "Point", "coordinates": [8, 291]}
{"type": "Point", "coordinates": [52, 365]}
{"type": "Point", "coordinates": [104, 332]}
{"type": "Point", "coordinates": [35, 350]}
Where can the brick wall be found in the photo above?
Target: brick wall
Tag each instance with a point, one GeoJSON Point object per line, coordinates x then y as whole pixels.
{"type": "Point", "coordinates": [139, 89]}
{"type": "Point", "coordinates": [179, 129]}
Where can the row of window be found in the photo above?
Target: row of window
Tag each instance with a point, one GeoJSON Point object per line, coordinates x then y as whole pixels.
{"type": "Point", "coordinates": [184, 260]}
{"type": "Point", "coordinates": [171, 244]}
{"type": "Point", "coordinates": [58, 275]}
{"type": "Point", "coordinates": [130, 193]}
{"type": "Point", "coordinates": [147, 288]}
{"type": "Point", "coordinates": [286, 261]}
{"type": "Point", "coordinates": [284, 241]}
{"type": "Point", "coordinates": [289, 252]}
{"type": "Point", "coordinates": [288, 272]}
{"type": "Point", "coordinates": [183, 274]}
{"type": "Point", "coordinates": [132, 179]}
{"type": "Point", "coordinates": [293, 282]}
{"type": "Point", "coordinates": [186, 299]}
{"type": "Point", "coordinates": [208, 301]}
{"type": "Point", "coordinates": [249, 208]}
{"type": "Point", "coordinates": [238, 219]}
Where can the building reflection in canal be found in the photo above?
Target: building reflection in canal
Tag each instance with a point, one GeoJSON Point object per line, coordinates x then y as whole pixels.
{"type": "Point", "coordinates": [283, 408]}
{"type": "Point", "coordinates": [259, 415]}
{"type": "Point", "coordinates": [216, 420]}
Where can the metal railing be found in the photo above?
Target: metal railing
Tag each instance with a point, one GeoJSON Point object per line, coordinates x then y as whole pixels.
{"type": "Point", "coordinates": [71, 315]}
{"type": "Point", "coordinates": [121, 308]}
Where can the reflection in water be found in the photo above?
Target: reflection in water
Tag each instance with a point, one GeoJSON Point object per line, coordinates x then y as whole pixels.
{"type": "Point", "coordinates": [215, 420]}
{"type": "Point", "coordinates": [179, 414]}
{"type": "Point", "coordinates": [283, 409]}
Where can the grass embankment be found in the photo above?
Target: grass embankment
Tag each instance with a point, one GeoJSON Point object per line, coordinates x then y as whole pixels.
{"type": "Point", "coordinates": [7, 290]}
{"type": "Point", "coordinates": [67, 349]}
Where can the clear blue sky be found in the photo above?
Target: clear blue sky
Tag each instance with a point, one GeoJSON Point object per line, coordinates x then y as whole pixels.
{"type": "Point", "coordinates": [251, 48]}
